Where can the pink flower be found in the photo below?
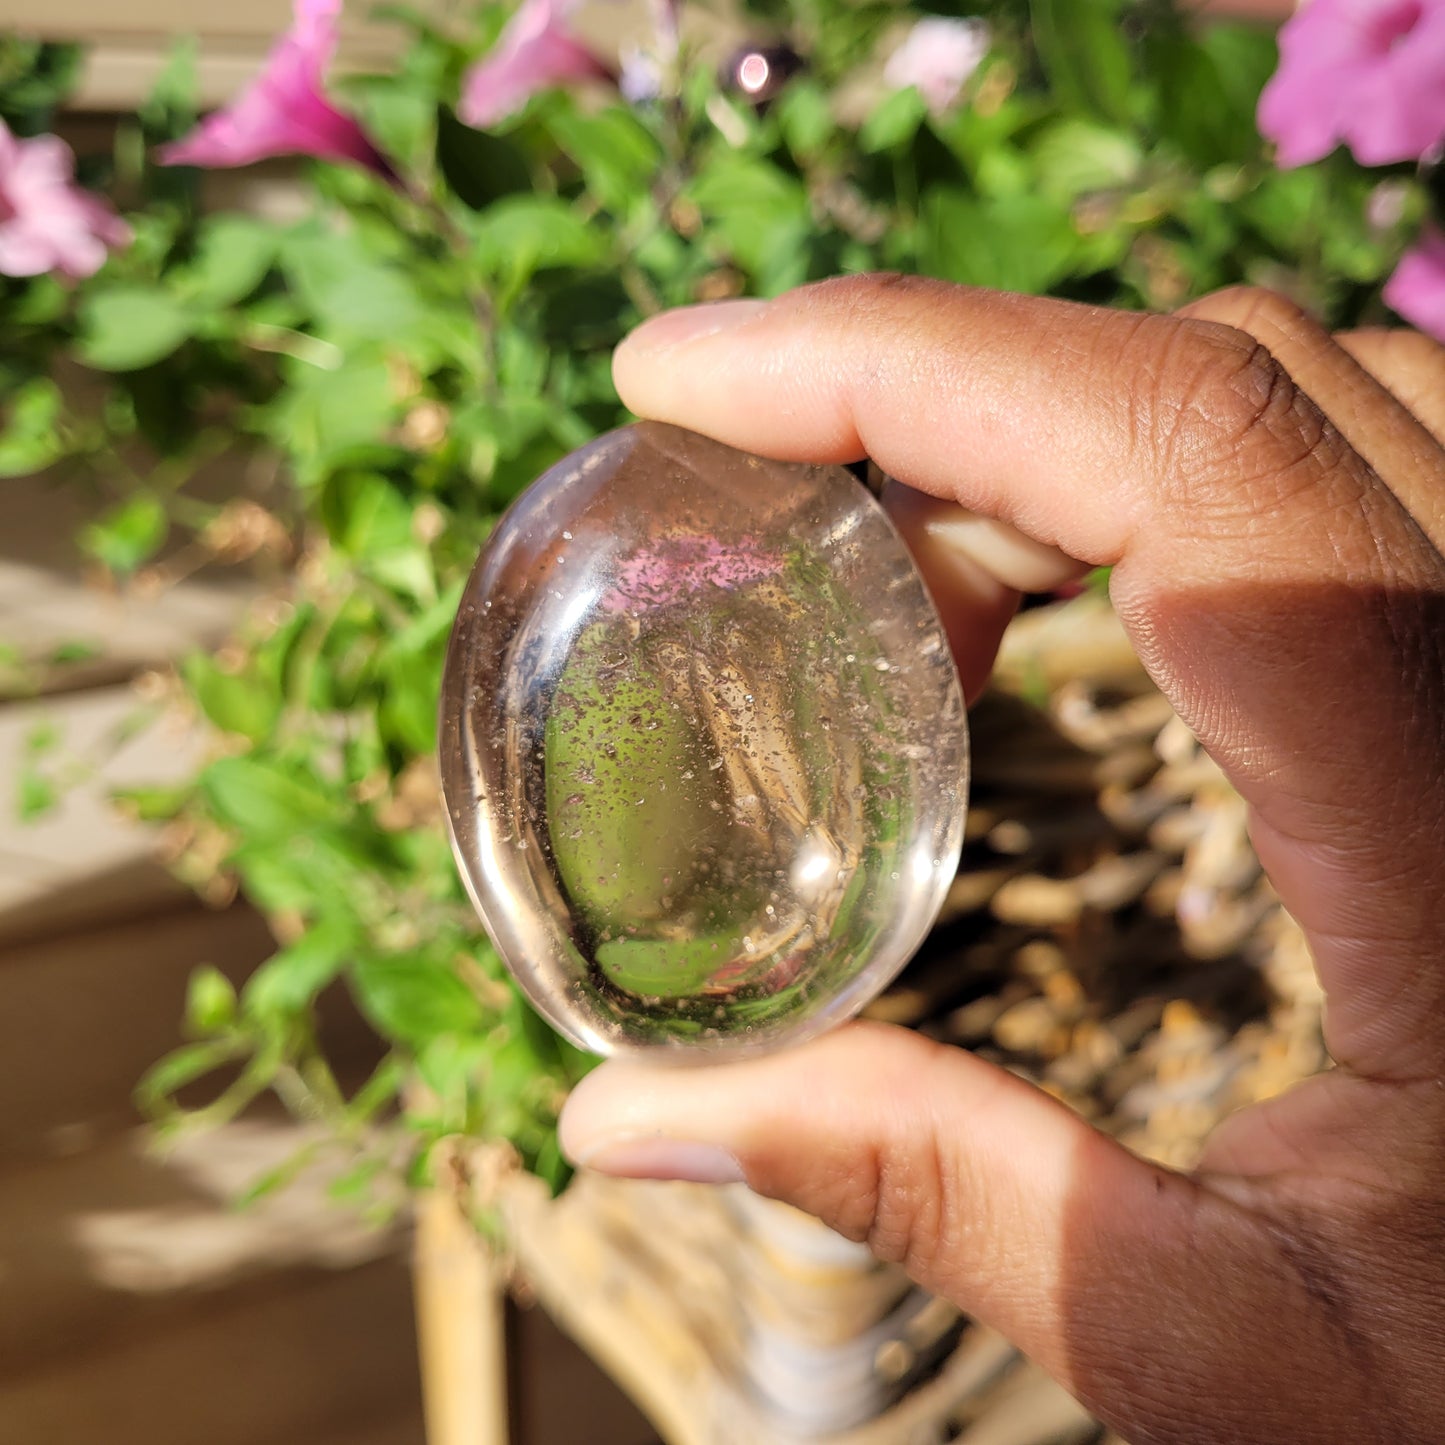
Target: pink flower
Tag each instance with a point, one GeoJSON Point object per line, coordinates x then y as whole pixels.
{"type": "Point", "coordinates": [938, 57]}
{"type": "Point", "coordinates": [536, 50]}
{"type": "Point", "coordinates": [1368, 73]}
{"type": "Point", "coordinates": [47, 223]}
{"type": "Point", "coordinates": [1417, 289]}
{"type": "Point", "coordinates": [284, 111]}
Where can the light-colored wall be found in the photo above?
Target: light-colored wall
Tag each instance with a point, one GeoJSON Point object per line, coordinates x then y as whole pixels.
{"type": "Point", "coordinates": [129, 39]}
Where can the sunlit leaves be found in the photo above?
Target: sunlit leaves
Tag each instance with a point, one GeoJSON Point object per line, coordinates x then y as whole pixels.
{"type": "Point", "coordinates": [124, 327]}
{"type": "Point", "coordinates": [128, 534]}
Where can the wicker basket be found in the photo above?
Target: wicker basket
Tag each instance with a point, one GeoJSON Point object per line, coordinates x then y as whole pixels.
{"type": "Point", "coordinates": [1109, 936]}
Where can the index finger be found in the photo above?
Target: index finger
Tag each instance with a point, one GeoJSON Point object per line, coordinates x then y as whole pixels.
{"type": "Point", "coordinates": [1281, 596]}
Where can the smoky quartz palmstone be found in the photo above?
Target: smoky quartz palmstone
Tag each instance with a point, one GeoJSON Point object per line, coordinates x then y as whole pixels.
{"type": "Point", "coordinates": [703, 746]}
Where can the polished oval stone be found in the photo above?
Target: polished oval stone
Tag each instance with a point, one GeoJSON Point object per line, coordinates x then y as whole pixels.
{"type": "Point", "coordinates": [703, 745]}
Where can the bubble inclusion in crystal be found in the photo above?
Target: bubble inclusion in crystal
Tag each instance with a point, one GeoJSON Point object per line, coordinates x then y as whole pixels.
{"type": "Point", "coordinates": [703, 746]}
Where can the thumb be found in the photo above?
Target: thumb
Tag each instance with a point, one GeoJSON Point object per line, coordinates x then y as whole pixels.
{"type": "Point", "coordinates": [968, 1176]}
{"type": "Point", "coordinates": [987, 1190]}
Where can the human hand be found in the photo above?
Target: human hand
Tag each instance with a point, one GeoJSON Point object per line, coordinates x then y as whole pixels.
{"type": "Point", "coordinates": [1272, 501]}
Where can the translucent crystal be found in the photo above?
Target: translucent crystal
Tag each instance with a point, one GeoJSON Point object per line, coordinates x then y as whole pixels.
{"type": "Point", "coordinates": [703, 745]}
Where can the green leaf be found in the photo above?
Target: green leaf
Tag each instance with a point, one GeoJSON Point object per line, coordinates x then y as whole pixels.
{"type": "Point", "coordinates": [45, 301]}
{"type": "Point", "coordinates": [449, 1064]}
{"type": "Point", "coordinates": [524, 234]}
{"type": "Point", "coordinates": [129, 534]}
{"type": "Point", "coordinates": [1245, 56]}
{"type": "Point", "coordinates": [152, 805]}
{"type": "Point", "coordinates": [264, 799]}
{"type": "Point", "coordinates": [408, 712]}
{"type": "Point", "coordinates": [278, 1176]}
{"type": "Point", "coordinates": [407, 570]}
{"type": "Point", "coordinates": [479, 167]}
{"type": "Point", "coordinates": [76, 650]}
{"type": "Point", "coordinates": [1082, 48]}
{"type": "Point", "coordinates": [386, 1081]}
{"type": "Point", "coordinates": [1208, 85]}
{"type": "Point", "coordinates": [275, 882]}
{"type": "Point", "coordinates": [353, 295]}
{"type": "Point", "coordinates": [514, 1064]}
{"type": "Point", "coordinates": [16, 674]}
{"type": "Point", "coordinates": [762, 214]}
{"type": "Point", "coordinates": [1014, 243]}
{"type": "Point", "coordinates": [1075, 156]}
{"type": "Point", "coordinates": [617, 154]}
{"type": "Point", "coordinates": [365, 514]}
{"type": "Point", "coordinates": [805, 118]}
{"type": "Point", "coordinates": [31, 440]}
{"type": "Point", "coordinates": [127, 326]}
{"type": "Point", "coordinates": [170, 108]}
{"type": "Point", "coordinates": [428, 629]}
{"type": "Point", "coordinates": [893, 122]}
{"type": "Point", "coordinates": [234, 256]}
{"type": "Point", "coordinates": [1287, 208]}
{"type": "Point", "coordinates": [324, 413]}
{"type": "Point", "coordinates": [36, 795]}
{"type": "Point", "coordinates": [210, 1001]}
{"type": "Point", "coordinates": [414, 998]}
{"type": "Point", "coordinates": [352, 1186]}
{"type": "Point", "coordinates": [42, 738]}
{"type": "Point", "coordinates": [289, 981]}
{"type": "Point", "coordinates": [235, 703]}
{"type": "Point", "coordinates": [182, 1067]}
{"type": "Point", "coordinates": [36, 77]}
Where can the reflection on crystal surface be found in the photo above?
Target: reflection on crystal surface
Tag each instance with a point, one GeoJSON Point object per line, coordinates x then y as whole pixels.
{"type": "Point", "coordinates": [703, 745]}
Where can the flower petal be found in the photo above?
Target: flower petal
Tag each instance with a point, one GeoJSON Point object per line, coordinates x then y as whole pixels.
{"type": "Point", "coordinates": [47, 223]}
{"type": "Point", "coordinates": [1417, 289]}
{"type": "Point", "coordinates": [535, 51]}
{"type": "Point", "coordinates": [1369, 72]}
{"type": "Point", "coordinates": [1398, 112]}
{"type": "Point", "coordinates": [284, 111]}
{"type": "Point", "coordinates": [937, 57]}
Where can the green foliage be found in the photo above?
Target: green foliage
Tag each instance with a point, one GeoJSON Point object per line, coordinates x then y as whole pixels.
{"type": "Point", "coordinates": [1085, 57]}
{"type": "Point", "coordinates": [35, 78]}
{"type": "Point", "coordinates": [125, 327]}
{"type": "Point", "coordinates": [128, 534]}
{"type": "Point", "coordinates": [400, 361]}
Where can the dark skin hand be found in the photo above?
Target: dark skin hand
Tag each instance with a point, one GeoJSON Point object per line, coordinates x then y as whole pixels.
{"type": "Point", "coordinates": [1272, 500]}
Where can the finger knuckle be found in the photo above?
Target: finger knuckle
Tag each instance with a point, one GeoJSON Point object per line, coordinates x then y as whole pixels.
{"type": "Point", "coordinates": [1237, 432]}
{"type": "Point", "coordinates": [909, 1206]}
{"type": "Point", "coordinates": [1261, 313]}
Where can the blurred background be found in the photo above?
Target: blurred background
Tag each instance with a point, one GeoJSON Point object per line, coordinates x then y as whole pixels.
{"type": "Point", "coordinates": [277, 1147]}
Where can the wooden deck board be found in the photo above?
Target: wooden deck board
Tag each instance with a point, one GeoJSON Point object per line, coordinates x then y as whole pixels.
{"type": "Point", "coordinates": [274, 1370]}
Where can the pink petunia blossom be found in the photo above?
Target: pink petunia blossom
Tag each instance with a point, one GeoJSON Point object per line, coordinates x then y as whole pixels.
{"type": "Point", "coordinates": [1368, 73]}
{"type": "Point", "coordinates": [535, 51]}
{"type": "Point", "coordinates": [47, 222]}
{"type": "Point", "coordinates": [284, 111]}
{"type": "Point", "coordinates": [1417, 289]}
{"type": "Point", "coordinates": [938, 57]}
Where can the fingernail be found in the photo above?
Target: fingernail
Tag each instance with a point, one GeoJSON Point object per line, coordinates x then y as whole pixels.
{"type": "Point", "coordinates": [692, 323]}
{"type": "Point", "coordinates": [639, 1158]}
{"type": "Point", "coordinates": [1003, 551]}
